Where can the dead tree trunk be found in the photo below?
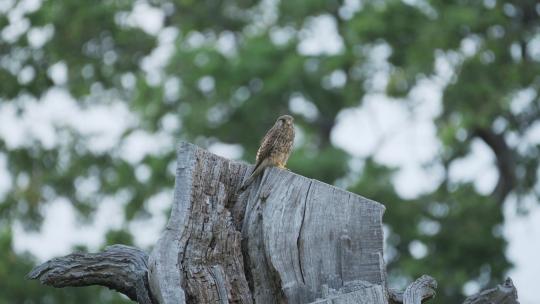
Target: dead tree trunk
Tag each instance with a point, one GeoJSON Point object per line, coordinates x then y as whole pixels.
{"type": "Point", "coordinates": [281, 241]}
{"type": "Point", "coordinates": [287, 239]}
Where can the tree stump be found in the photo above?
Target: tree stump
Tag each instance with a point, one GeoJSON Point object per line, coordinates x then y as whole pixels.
{"type": "Point", "coordinates": [279, 241]}
{"type": "Point", "coordinates": [286, 239]}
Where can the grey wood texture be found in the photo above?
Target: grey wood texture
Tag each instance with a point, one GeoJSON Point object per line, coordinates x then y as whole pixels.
{"type": "Point", "coordinates": [417, 292]}
{"type": "Point", "coordinates": [121, 268]}
{"type": "Point", "coordinates": [307, 234]}
{"type": "Point", "coordinates": [355, 292]}
{"type": "Point", "coordinates": [296, 235]}
{"type": "Point", "coordinates": [287, 239]}
{"type": "Point", "coordinates": [505, 293]}
{"type": "Point", "coordinates": [198, 258]}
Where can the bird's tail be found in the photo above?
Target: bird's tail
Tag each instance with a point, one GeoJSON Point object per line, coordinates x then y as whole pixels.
{"type": "Point", "coordinates": [256, 171]}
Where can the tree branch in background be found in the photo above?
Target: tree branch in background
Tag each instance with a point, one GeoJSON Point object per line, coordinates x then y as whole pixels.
{"type": "Point", "coordinates": [121, 268]}
{"type": "Point", "coordinates": [505, 162]}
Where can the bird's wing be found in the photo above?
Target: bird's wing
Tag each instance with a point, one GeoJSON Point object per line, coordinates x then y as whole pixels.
{"type": "Point", "coordinates": [266, 146]}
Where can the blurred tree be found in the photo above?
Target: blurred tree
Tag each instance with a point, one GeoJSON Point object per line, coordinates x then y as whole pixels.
{"type": "Point", "coordinates": [208, 71]}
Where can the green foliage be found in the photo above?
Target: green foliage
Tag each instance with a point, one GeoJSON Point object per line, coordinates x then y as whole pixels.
{"type": "Point", "coordinates": [227, 79]}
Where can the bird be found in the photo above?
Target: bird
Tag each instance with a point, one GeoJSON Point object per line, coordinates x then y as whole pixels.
{"type": "Point", "coordinates": [275, 149]}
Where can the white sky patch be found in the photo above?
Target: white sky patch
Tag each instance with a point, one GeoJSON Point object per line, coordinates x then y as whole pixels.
{"type": "Point", "coordinates": [33, 124]}
{"type": "Point", "coordinates": [427, 99]}
{"type": "Point", "coordinates": [299, 105]}
{"type": "Point", "coordinates": [413, 140]}
{"type": "Point", "coordinates": [140, 143]}
{"type": "Point", "coordinates": [226, 44]}
{"type": "Point", "coordinates": [5, 178]}
{"type": "Point", "coordinates": [154, 63]}
{"type": "Point", "coordinates": [336, 79]}
{"type": "Point", "coordinates": [261, 17]}
{"type": "Point", "coordinates": [533, 47]}
{"type": "Point", "coordinates": [168, 35]}
{"type": "Point", "coordinates": [195, 39]}
{"type": "Point", "coordinates": [281, 35]}
{"type": "Point", "coordinates": [470, 45]}
{"type": "Point", "coordinates": [26, 74]}
{"type": "Point", "coordinates": [320, 37]}
{"type": "Point", "coordinates": [38, 36]}
{"type": "Point", "coordinates": [58, 73]}
{"type": "Point", "coordinates": [522, 100]}
{"type": "Point", "coordinates": [523, 233]}
{"type": "Point", "coordinates": [299, 137]}
{"type": "Point", "coordinates": [377, 67]}
{"type": "Point", "coordinates": [30, 6]}
{"type": "Point", "coordinates": [61, 229]}
{"type": "Point", "coordinates": [389, 252]}
{"type": "Point", "coordinates": [429, 227]}
{"type": "Point", "coordinates": [150, 19]}
{"type": "Point", "coordinates": [18, 25]}
{"type": "Point", "coordinates": [360, 131]}
{"type": "Point", "coordinates": [6, 5]}
{"type": "Point", "coordinates": [444, 66]}
{"type": "Point", "coordinates": [143, 173]}
{"type": "Point", "coordinates": [170, 122]}
{"type": "Point", "coordinates": [15, 29]}
{"type": "Point", "coordinates": [268, 13]}
{"type": "Point", "coordinates": [230, 151]}
{"type": "Point", "coordinates": [11, 129]}
{"type": "Point", "coordinates": [396, 131]}
{"type": "Point", "coordinates": [206, 84]}
{"type": "Point", "coordinates": [532, 135]}
{"type": "Point", "coordinates": [87, 186]}
{"type": "Point", "coordinates": [146, 232]}
{"type": "Point", "coordinates": [478, 167]}
{"type": "Point", "coordinates": [418, 249]}
{"type": "Point", "coordinates": [396, 136]}
{"type": "Point", "coordinates": [471, 287]}
{"type": "Point", "coordinates": [349, 8]}
{"type": "Point", "coordinates": [412, 180]}
{"type": "Point", "coordinates": [103, 123]}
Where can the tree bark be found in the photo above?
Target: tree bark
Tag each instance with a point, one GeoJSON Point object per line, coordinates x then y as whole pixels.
{"type": "Point", "coordinates": [505, 293]}
{"type": "Point", "coordinates": [121, 268]}
{"type": "Point", "coordinates": [286, 239]}
{"type": "Point", "coordinates": [278, 242]}
{"type": "Point", "coordinates": [417, 292]}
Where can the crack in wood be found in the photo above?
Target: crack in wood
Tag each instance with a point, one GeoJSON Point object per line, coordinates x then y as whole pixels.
{"type": "Point", "coordinates": [298, 245]}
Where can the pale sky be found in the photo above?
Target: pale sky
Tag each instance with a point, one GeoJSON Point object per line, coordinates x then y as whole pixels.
{"type": "Point", "coordinates": [380, 127]}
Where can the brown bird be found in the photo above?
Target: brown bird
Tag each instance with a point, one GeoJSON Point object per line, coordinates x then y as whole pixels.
{"type": "Point", "coordinates": [275, 148]}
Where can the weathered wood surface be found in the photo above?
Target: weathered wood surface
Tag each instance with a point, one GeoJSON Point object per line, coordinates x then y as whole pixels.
{"type": "Point", "coordinates": [505, 293]}
{"type": "Point", "coordinates": [287, 239]}
{"type": "Point", "coordinates": [355, 292]}
{"type": "Point", "coordinates": [417, 292]}
{"type": "Point", "coordinates": [296, 235]}
{"type": "Point", "coordinates": [198, 258]}
{"type": "Point", "coordinates": [121, 268]}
